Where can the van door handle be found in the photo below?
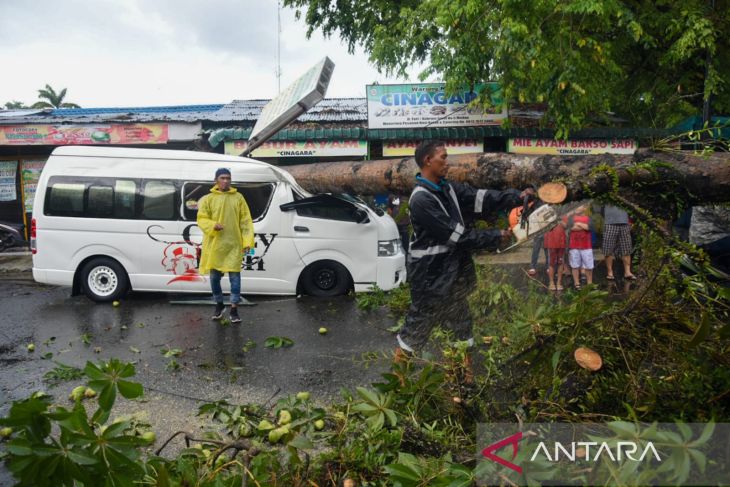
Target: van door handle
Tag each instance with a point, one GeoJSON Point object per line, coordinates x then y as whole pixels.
{"type": "Point", "coordinates": [301, 229]}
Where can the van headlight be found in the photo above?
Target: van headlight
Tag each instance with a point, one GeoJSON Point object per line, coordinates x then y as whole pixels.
{"type": "Point", "coordinates": [388, 247]}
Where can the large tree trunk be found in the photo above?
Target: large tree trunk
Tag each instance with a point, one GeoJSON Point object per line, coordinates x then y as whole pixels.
{"type": "Point", "coordinates": [694, 178]}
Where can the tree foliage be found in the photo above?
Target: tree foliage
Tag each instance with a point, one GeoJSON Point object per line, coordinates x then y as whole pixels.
{"type": "Point", "coordinates": [50, 99]}
{"type": "Point", "coordinates": [15, 105]}
{"type": "Point", "coordinates": [645, 61]}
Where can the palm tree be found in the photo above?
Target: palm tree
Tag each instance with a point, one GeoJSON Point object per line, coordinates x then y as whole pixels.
{"type": "Point", "coordinates": [51, 99]}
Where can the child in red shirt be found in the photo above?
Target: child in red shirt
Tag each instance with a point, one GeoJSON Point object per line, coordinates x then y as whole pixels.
{"type": "Point", "coordinates": [555, 245]}
{"type": "Point", "coordinates": [580, 251]}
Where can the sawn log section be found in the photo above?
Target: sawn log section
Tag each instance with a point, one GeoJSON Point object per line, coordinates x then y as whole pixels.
{"type": "Point", "coordinates": [706, 179]}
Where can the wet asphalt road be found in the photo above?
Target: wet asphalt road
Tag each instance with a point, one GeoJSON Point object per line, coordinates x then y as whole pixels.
{"type": "Point", "coordinates": [212, 363]}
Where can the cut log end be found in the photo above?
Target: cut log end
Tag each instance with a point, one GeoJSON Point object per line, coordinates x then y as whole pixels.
{"type": "Point", "coordinates": [553, 193]}
{"type": "Point", "coordinates": [588, 359]}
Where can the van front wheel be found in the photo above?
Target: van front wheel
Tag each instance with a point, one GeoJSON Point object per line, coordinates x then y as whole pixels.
{"type": "Point", "coordinates": [326, 278]}
{"type": "Point", "coordinates": [104, 280]}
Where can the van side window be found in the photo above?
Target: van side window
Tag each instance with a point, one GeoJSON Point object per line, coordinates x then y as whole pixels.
{"type": "Point", "coordinates": [329, 210]}
{"type": "Point", "coordinates": [257, 196]}
{"type": "Point", "coordinates": [158, 200]}
{"type": "Point", "coordinates": [101, 201]}
{"type": "Point", "coordinates": [125, 193]}
{"type": "Point", "coordinates": [192, 192]}
{"type": "Point", "coordinates": [91, 197]}
{"type": "Point", "coordinates": [65, 199]}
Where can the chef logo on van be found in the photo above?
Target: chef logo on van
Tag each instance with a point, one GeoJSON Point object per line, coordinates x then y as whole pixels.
{"type": "Point", "coordinates": [182, 257]}
{"type": "Point", "coordinates": [183, 263]}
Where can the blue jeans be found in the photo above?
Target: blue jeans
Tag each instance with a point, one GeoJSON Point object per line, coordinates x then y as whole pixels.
{"type": "Point", "coordinates": [215, 285]}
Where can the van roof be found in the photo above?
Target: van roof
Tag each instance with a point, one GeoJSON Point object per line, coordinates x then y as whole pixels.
{"type": "Point", "coordinates": [165, 154]}
{"type": "Point", "coordinates": [92, 151]}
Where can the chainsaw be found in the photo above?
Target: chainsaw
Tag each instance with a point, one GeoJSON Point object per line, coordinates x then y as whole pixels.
{"type": "Point", "coordinates": [533, 222]}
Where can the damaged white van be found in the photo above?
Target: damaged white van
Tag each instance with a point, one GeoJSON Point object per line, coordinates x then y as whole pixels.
{"type": "Point", "coordinates": [109, 220]}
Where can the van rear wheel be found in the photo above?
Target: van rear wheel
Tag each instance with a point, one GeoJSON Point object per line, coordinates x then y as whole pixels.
{"type": "Point", "coordinates": [326, 278]}
{"type": "Point", "coordinates": [104, 280]}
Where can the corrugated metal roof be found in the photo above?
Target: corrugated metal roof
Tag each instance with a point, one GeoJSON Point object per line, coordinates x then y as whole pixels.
{"type": "Point", "coordinates": [328, 110]}
{"type": "Point", "coordinates": [24, 112]}
{"type": "Point", "coordinates": [719, 126]}
{"type": "Point", "coordinates": [181, 113]}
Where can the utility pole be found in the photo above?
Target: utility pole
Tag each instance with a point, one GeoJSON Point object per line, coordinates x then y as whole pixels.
{"type": "Point", "coordinates": [278, 45]}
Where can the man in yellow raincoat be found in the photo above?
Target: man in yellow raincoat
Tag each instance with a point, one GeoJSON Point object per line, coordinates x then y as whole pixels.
{"type": "Point", "coordinates": [225, 220]}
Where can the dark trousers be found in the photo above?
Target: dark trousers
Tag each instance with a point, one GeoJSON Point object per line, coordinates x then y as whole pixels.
{"type": "Point", "coordinates": [537, 245]}
{"type": "Point", "coordinates": [428, 310]}
{"type": "Point", "coordinates": [405, 238]}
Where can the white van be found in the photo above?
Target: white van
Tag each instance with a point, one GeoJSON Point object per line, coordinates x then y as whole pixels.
{"type": "Point", "coordinates": [107, 220]}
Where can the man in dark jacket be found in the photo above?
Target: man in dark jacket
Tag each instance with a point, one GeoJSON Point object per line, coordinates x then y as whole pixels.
{"type": "Point", "coordinates": [440, 267]}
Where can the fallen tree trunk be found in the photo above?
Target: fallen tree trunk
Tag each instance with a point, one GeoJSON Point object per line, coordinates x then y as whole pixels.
{"type": "Point", "coordinates": [699, 179]}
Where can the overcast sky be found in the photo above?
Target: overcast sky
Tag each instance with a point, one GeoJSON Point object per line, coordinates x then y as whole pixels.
{"type": "Point", "coordinates": [114, 53]}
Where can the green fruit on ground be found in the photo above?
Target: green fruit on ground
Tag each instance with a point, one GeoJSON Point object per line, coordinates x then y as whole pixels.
{"type": "Point", "coordinates": [31, 347]}
{"type": "Point", "coordinates": [244, 430]}
{"type": "Point", "coordinates": [284, 417]}
{"type": "Point", "coordinates": [149, 436]}
{"type": "Point", "coordinates": [276, 434]}
{"type": "Point", "coordinates": [5, 432]}
{"type": "Point", "coordinates": [116, 303]}
{"type": "Point", "coordinates": [303, 396]}
{"type": "Point", "coordinates": [89, 392]}
{"type": "Point", "coordinates": [220, 460]}
{"type": "Point", "coordinates": [340, 416]}
{"type": "Point", "coordinates": [265, 425]}
{"type": "Point", "coordinates": [77, 393]}
{"type": "Point", "coordinates": [319, 424]}
{"type": "Point", "coordinates": [322, 330]}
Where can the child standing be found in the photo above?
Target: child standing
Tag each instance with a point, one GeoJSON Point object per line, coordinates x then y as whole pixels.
{"type": "Point", "coordinates": [555, 246]}
{"type": "Point", "coordinates": [580, 251]}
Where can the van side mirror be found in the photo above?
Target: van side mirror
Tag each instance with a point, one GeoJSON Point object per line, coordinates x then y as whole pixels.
{"type": "Point", "coordinates": [361, 216]}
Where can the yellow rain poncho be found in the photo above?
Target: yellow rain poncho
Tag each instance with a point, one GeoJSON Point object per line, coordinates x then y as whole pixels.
{"type": "Point", "coordinates": [223, 249]}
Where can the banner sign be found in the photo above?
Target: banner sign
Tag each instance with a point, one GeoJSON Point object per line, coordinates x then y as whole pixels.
{"type": "Point", "coordinates": [30, 173]}
{"type": "Point", "coordinates": [571, 147]}
{"type": "Point", "coordinates": [407, 148]}
{"type": "Point", "coordinates": [308, 90]}
{"type": "Point", "coordinates": [427, 105]}
{"type": "Point", "coordinates": [8, 171]}
{"type": "Point", "coordinates": [308, 148]}
{"type": "Point", "coordinates": [83, 134]}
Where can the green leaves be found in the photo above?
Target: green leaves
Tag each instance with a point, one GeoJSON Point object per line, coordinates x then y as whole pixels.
{"type": "Point", "coordinates": [412, 471]}
{"type": "Point", "coordinates": [374, 407]}
{"type": "Point", "coordinates": [108, 378]}
{"type": "Point", "coordinates": [278, 342]}
{"type": "Point", "coordinates": [680, 453]}
{"type": "Point", "coordinates": [168, 352]}
{"type": "Point", "coordinates": [53, 446]}
{"type": "Point", "coordinates": [579, 59]}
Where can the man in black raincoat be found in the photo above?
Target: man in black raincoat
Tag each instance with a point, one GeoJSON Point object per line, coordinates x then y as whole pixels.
{"type": "Point", "coordinates": [440, 267]}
